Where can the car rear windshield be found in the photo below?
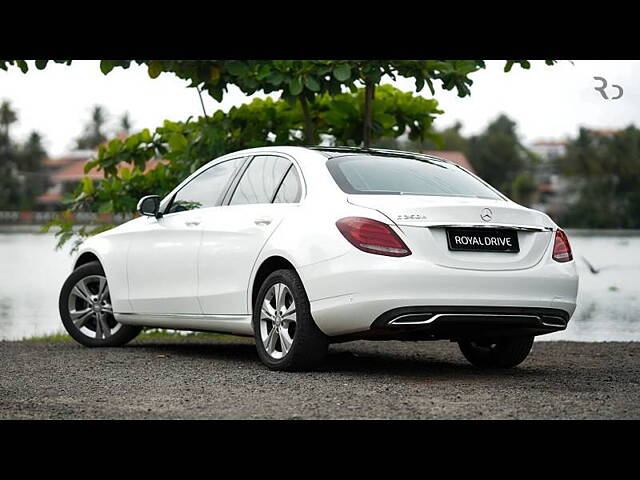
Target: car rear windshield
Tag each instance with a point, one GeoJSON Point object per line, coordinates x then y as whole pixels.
{"type": "Point", "coordinates": [397, 175]}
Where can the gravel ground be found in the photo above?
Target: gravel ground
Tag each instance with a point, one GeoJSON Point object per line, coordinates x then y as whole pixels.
{"type": "Point", "coordinates": [211, 378]}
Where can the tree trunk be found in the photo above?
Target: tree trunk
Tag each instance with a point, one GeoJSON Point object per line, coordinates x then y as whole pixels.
{"type": "Point", "coordinates": [369, 93]}
{"type": "Point", "coordinates": [309, 134]}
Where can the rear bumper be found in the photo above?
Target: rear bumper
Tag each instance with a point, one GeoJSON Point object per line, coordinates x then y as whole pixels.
{"type": "Point", "coordinates": [349, 294]}
{"type": "Point", "coordinates": [468, 322]}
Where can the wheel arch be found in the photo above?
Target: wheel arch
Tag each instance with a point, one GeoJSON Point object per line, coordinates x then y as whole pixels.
{"type": "Point", "coordinates": [86, 257]}
{"type": "Point", "coordinates": [268, 266]}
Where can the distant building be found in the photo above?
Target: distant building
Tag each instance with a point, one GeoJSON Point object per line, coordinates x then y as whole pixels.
{"type": "Point", "coordinates": [75, 160]}
{"type": "Point", "coordinates": [549, 149]}
{"type": "Point", "coordinates": [67, 171]}
{"type": "Point", "coordinates": [456, 157]}
{"type": "Point", "coordinates": [604, 132]}
{"type": "Point", "coordinates": [552, 187]}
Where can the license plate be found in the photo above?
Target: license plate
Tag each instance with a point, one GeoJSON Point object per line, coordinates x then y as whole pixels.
{"type": "Point", "coordinates": [483, 240]}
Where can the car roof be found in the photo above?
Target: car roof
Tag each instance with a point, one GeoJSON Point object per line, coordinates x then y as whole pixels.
{"type": "Point", "coordinates": [335, 152]}
{"type": "Point", "coordinates": [340, 151]}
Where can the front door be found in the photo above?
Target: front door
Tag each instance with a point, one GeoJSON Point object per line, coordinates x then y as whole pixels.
{"type": "Point", "coordinates": [162, 263]}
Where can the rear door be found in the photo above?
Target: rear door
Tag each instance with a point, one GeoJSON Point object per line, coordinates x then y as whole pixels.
{"type": "Point", "coordinates": [234, 234]}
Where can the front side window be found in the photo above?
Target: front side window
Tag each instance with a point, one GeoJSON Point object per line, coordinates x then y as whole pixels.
{"type": "Point", "coordinates": [206, 189]}
{"type": "Point", "coordinates": [391, 175]}
{"type": "Point", "coordinates": [260, 180]}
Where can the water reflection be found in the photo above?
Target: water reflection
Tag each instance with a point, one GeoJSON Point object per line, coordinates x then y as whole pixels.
{"type": "Point", "coordinates": [5, 308]}
{"type": "Point", "coordinates": [31, 274]}
{"type": "Point", "coordinates": [609, 293]}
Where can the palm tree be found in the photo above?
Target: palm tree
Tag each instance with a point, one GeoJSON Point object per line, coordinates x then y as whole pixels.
{"type": "Point", "coordinates": [7, 117]}
{"type": "Point", "coordinates": [93, 136]}
{"type": "Point", "coordinates": [125, 123]}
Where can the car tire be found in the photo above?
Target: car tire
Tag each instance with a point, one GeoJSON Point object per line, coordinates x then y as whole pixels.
{"type": "Point", "coordinates": [504, 353]}
{"type": "Point", "coordinates": [289, 342]}
{"type": "Point", "coordinates": [88, 324]}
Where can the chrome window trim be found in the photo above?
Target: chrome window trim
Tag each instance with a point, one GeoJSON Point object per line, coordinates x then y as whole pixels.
{"type": "Point", "coordinates": [234, 185]}
{"type": "Point", "coordinates": [526, 228]}
{"type": "Point", "coordinates": [194, 176]}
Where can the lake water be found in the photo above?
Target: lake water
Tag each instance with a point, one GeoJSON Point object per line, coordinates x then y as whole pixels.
{"type": "Point", "coordinates": [31, 274]}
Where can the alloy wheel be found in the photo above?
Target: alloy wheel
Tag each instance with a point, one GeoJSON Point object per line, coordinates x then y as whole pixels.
{"type": "Point", "coordinates": [90, 308]}
{"type": "Point", "coordinates": [278, 321]}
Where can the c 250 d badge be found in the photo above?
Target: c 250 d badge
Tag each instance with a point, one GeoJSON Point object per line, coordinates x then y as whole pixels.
{"type": "Point", "coordinates": [415, 216]}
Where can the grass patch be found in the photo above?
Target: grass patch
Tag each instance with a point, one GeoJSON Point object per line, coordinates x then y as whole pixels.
{"type": "Point", "coordinates": [161, 334]}
{"type": "Point", "coordinates": [53, 337]}
{"type": "Point", "coordinates": [147, 334]}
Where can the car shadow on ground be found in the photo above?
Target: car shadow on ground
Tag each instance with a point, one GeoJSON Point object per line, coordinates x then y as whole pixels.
{"type": "Point", "coordinates": [341, 361]}
{"type": "Point", "coordinates": [397, 365]}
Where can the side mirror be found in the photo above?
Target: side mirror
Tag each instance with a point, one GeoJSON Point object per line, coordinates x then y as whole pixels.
{"type": "Point", "coordinates": [150, 206]}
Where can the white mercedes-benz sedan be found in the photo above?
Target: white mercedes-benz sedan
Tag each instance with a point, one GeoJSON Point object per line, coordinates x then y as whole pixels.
{"type": "Point", "coordinates": [301, 247]}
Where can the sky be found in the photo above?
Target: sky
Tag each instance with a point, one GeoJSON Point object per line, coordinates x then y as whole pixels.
{"type": "Point", "coordinates": [547, 103]}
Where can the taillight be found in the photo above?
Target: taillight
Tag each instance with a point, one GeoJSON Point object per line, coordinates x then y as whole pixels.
{"type": "Point", "coordinates": [372, 236]}
{"type": "Point", "coordinates": [561, 248]}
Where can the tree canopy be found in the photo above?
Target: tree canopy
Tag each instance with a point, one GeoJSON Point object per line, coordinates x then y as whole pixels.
{"type": "Point", "coordinates": [302, 80]}
{"type": "Point", "coordinates": [604, 170]}
{"type": "Point", "coordinates": [342, 100]}
{"type": "Point", "coordinates": [188, 145]}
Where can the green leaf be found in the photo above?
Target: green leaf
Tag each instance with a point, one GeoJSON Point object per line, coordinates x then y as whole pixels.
{"type": "Point", "coordinates": [342, 72]}
{"type": "Point", "coordinates": [106, 207]}
{"type": "Point", "coordinates": [90, 165]}
{"type": "Point", "coordinates": [107, 65]}
{"type": "Point", "coordinates": [114, 146]}
{"type": "Point", "coordinates": [177, 142]}
{"type": "Point", "coordinates": [264, 71]}
{"type": "Point", "coordinates": [125, 174]}
{"type": "Point", "coordinates": [237, 68]}
{"type": "Point", "coordinates": [87, 186]}
{"type": "Point", "coordinates": [145, 135]}
{"type": "Point", "coordinates": [214, 74]}
{"type": "Point", "coordinates": [275, 78]}
{"type": "Point", "coordinates": [155, 68]}
{"type": "Point", "coordinates": [41, 64]}
{"type": "Point", "coordinates": [430, 85]}
{"type": "Point", "coordinates": [22, 65]}
{"type": "Point", "coordinates": [216, 92]}
{"type": "Point", "coordinates": [311, 83]}
{"type": "Point", "coordinates": [295, 86]}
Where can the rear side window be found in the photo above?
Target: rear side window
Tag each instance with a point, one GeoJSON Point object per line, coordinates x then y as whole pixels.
{"type": "Point", "coordinates": [372, 174]}
{"type": "Point", "coordinates": [290, 191]}
{"type": "Point", "coordinates": [260, 180]}
{"type": "Point", "coordinates": [206, 189]}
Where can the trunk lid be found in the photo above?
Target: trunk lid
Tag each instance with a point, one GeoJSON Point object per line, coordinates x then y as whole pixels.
{"type": "Point", "coordinates": [424, 219]}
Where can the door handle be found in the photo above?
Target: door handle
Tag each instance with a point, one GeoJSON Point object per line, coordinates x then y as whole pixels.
{"type": "Point", "coordinates": [192, 223]}
{"type": "Point", "coordinates": [262, 221]}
